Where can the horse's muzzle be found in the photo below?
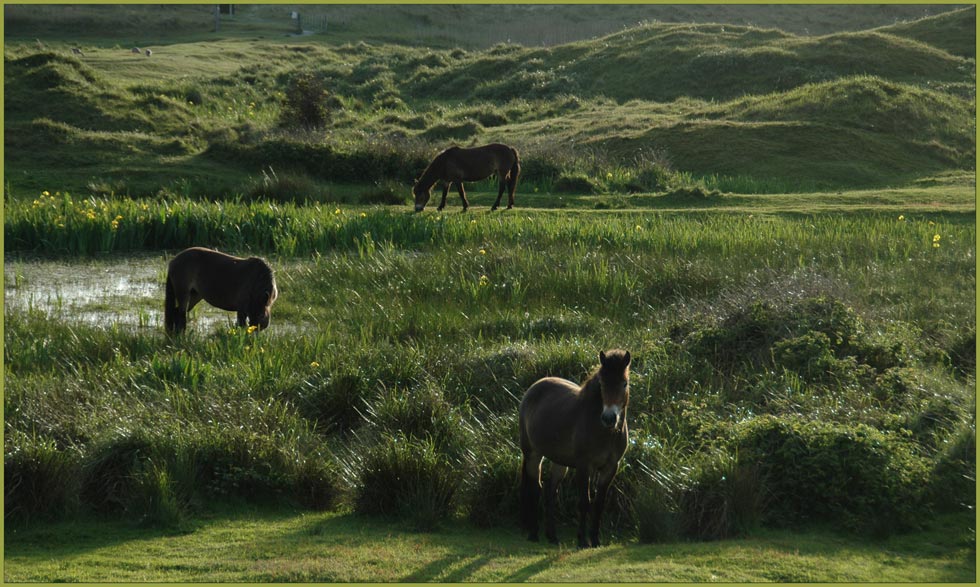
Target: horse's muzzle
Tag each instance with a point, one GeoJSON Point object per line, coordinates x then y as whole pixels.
{"type": "Point", "coordinates": [419, 208]}
{"type": "Point", "coordinates": [610, 416]}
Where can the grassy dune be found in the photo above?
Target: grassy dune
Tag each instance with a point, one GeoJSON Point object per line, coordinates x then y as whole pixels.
{"type": "Point", "coordinates": [703, 99]}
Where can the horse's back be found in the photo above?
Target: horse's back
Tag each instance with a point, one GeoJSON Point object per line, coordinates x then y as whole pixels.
{"type": "Point", "coordinates": [548, 416]}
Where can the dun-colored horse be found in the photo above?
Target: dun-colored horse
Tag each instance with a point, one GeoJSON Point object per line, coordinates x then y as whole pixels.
{"type": "Point", "coordinates": [246, 286]}
{"type": "Point", "coordinates": [456, 165]}
{"type": "Point", "coordinates": [578, 426]}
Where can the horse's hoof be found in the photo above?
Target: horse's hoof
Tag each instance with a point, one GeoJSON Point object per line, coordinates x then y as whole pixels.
{"type": "Point", "coordinates": [510, 207]}
{"type": "Point", "coordinates": [493, 209]}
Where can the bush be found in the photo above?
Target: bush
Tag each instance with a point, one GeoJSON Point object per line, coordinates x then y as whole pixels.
{"type": "Point", "coordinates": [722, 498]}
{"type": "Point", "coordinates": [407, 477]}
{"type": "Point", "coordinates": [110, 474]}
{"type": "Point", "coordinates": [40, 481]}
{"type": "Point", "coordinates": [305, 102]}
{"type": "Point", "coordinates": [954, 475]}
{"type": "Point", "coordinates": [493, 499]}
{"type": "Point", "coordinates": [816, 471]}
{"type": "Point", "coordinates": [576, 183]}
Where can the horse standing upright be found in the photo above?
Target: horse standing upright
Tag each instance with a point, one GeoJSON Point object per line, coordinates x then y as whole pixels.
{"type": "Point", "coordinates": [578, 426]}
{"type": "Point", "coordinates": [246, 286]}
{"type": "Point", "coordinates": [456, 165]}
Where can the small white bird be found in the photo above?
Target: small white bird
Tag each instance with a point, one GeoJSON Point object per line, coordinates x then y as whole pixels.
{"type": "Point", "coordinates": [136, 50]}
{"type": "Point", "coordinates": [148, 52]}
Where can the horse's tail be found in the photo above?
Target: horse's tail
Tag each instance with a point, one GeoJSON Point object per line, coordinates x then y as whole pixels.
{"type": "Point", "coordinates": [515, 172]}
{"type": "Point", "coordinates": [169, 305]}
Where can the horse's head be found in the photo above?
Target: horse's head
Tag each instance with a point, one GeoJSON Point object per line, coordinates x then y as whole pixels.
{"type": "Point", "coordinates": [614, 381]}
{"type": "Point", "coordinates": [421, 195]}
{"type": "Point", "coordinates": [264, 293]}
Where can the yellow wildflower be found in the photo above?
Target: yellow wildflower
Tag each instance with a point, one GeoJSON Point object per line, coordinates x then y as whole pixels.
{"type": "Point", "coordinates": [252, 328]}
{"type": "Point", "coordinates": [483, 251]}
{"type": "Point", "coordinates": [363, 214]}
{"type": "Point", "coordinates": [484, 280]}
{"type": "Point", "coordinates": [314, 364]}
{"type": "Point", "coordinates": [901, 218]}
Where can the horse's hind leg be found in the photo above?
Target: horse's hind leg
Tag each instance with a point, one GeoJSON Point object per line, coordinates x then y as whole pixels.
{"type": "Point", "coordinates": [445, 192]}
{"type": "Point", "coordinates": [582, 484]}
{"type": "Point", "coordinates": [501, 185]}
{"type": "Point", "coordinates": [551, 501]}
{"type": "Point", "coordinates": [462, 195]}
{"type": "Point", "coordinates": [530, 493]}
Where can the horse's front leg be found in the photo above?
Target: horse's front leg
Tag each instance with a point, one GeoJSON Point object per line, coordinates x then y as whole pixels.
{"type": "Point", "coordinates": [445, 192]}
{"type": "Point", "coordinates": [582, 485]}
{"type": "Point", "coordinates": [606, 476]}
{"type": "Point", "coordinates": [462, 195]}
{"type": "Point", "coordinates": [241, 318]}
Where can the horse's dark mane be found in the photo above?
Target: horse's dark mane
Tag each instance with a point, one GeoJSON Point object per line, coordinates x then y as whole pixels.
{"type": "Point", "coordinates": [434, 170]}
{"type": "Point", "coordinates": [264, 278]}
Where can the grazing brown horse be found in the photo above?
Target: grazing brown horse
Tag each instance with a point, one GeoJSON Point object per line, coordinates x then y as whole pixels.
{"type": "Point", "coordinates": [578, 426]}
{"type": "Point", "coordinates": [456, 165]}
{"type": "Point", "coordinates": [246, 286]}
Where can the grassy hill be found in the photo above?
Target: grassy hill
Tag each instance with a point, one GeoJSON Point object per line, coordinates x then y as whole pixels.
{"type": "Point", "coordinates": [204, 118]}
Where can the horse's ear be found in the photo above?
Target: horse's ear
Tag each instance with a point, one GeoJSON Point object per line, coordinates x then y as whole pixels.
{"type": "Point", "coordinates": [602, 358]}
{"type": "Point", "coordinates": [627, 357]}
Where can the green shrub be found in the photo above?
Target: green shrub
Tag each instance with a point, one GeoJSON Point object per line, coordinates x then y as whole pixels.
{"type": "Point", "coordinates": [722, 498]}
{"type": "Point", "coordinates": [576, 183]}
{"type": "Point", "coordinates": [402, 476]}
{"type": "Point", "coordinates": [849, 474]}
{"type": "Point", "coordinates": [40, 481]}
{"type": "Point", "coordinates": [111, 472]}
{"type": "Point", "coordinates": [305, 102]}
{"type": "Point", "coordinates": [953, 482]}
{"type": "Point", "coordinates": [493, 497]}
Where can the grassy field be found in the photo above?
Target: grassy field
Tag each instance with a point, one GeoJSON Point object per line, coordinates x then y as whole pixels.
{"type": "Point", "coordinates": [283, 546]}
{"type": "Point", "coordinates": [778, 223]}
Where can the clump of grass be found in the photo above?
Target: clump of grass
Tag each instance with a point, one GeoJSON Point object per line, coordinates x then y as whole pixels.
{"type": "Point", "coordinates": [282, 187]}
{"type": "Point", "coordinates": [409, 478]}
{"type": "Point", "coordinates": [40, 480]}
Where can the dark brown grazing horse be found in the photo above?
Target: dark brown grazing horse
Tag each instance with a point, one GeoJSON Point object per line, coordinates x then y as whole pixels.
{"type": "Point", "coordinates": [246, 286]}
{"type": "Point", "coordinates": [456, 165]}
{"type": "Point", "coordinates": [578, 426]}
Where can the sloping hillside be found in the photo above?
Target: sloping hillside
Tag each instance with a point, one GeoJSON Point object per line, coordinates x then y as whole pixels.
{"type": "Point", "coordinates": [954, 32]}
{"type": "Point", "coordinates": [849, 109]}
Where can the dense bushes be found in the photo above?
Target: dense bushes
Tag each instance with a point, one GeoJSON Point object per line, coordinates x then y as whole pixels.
{"type": "Point", "coordinates": [815, 471]}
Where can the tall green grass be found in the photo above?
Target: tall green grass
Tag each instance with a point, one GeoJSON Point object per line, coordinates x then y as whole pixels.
{"type": "Point", "coordinates": [425, 329]}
